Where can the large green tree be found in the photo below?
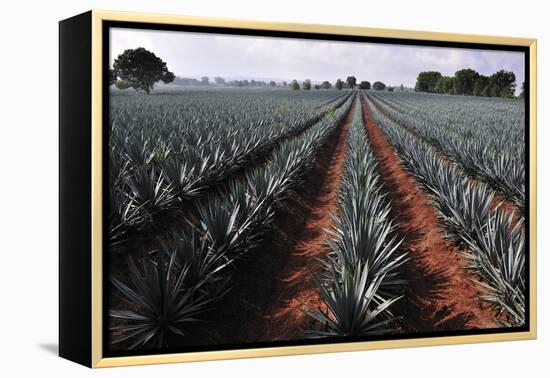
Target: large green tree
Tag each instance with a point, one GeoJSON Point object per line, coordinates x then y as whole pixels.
{"type": "Point", "coordinates": [140, 69]}
{"type": "Point", "coordinates": [444, 85]}
{"type": "Point", "coordinates": [481, 86]}
{"type": "Point", "coordinates": [364, 85]}
{"type": "Point", "coordinates": [464, 81]}
{"type": "Point", "coordinates": [338, 84]}
{"type": "Point", "coordinates": [426, 81]}
{"type": "Point", "coordinates": [352, 81]}
{"type": "Point", "coordinates": [378, 86]}
{"type": "Point", "coordinates": [326, 85]}
{"type": "Point", "coordinates": [522, 93]}
{"type": "Point", "coordinates": [469, 82]}
{"type": "Point", "coordinates": [306, 85]}
{"type": "Point", "coordinates": [502, 84]}
{"type": "Point", "coordinates": [112, 76]}
{"type": "Point", "coordinates": [294, 85]}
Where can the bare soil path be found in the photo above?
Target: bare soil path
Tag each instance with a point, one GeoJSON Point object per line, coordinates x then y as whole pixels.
{"type": "Point", "coordinates": [265, 303]}
{"type": "Point", "coordinates": [498, 200]}
{"type": "Point", "coordinates": [440, 294]}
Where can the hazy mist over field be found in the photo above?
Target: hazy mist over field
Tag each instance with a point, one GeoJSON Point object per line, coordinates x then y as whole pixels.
{"type": "Point", "coordinates": [197, 54]}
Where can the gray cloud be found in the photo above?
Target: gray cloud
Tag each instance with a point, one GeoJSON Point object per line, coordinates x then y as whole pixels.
{"type": "Point", "coordinates": [198, 54]}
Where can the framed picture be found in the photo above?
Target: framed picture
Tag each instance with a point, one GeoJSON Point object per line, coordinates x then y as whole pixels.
{"type": "Point", "coordinates": [236, 189]}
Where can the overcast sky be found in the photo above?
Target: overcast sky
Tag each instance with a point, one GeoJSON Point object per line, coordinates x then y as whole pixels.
{"type": "Point", "coordinates": [199, 54]}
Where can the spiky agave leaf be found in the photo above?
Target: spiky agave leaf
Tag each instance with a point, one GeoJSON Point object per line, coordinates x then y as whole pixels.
{"type": "Point", "coordinates": [498, 253]}
{"type": "Point", "coordinates": [150, 190]}
{"type": "Point", "coordinates": [489, 145]}
{"type": "Point", "coordinates": [119, 168]}
{"type": "Point", "coordinates": [180, 175]}
{"type": "Point", "coordinates": [351, 307]}
{"type": "Point", "coordinates": [363, 231]}
{"type": "Point", "coordinates": [363, 236]}
{"type": "Point", "coordinates": [475, 204]}
{"type": "Point", "coordinates": [138, 149]}
{"type": "Point", "coordinates": [161, 306]}
{"type": "Point", "coordinates": [124, 214]}
{"type": "Point", "coordinates": [194, 252]}
{"type": "Point", "coordinates": [362, 268]}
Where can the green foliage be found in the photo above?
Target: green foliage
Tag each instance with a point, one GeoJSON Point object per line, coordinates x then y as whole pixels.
{"type": "Point", "coordinates": [140, 69]}
{"type": "Point", "coordinates": [444, 84]}
{"type": "Point", "coordinates": [353, 309]}
{"type": "Point", "coordinates": [112, 76]}
{"type": "Point", "coordinates": [294, 85]}
{"type": "Point", "coordinates": [306, 85]}
{"type": "Point", "coordinates": [502, 84]}
{"type": "Point", "coordinates": [522, 93]}
{"type": "Point", "coordinates": [489, 144]}
{"type": "Point", "coordinates": [162, 305]}
{"type": "Point", "coordinates": [326, 85]}
{"type": "Point", "coordinates": [426, 81]}
{"type": "Point", "coordinates": [481, 86]}
{"type": "Point", "coordinates": [464, 81]}
{"type": "Point", "coordinates": [156, 161]}
{"type": "Point", "coordinates": [338, 85]}
{"type": "Point", "coordinates": [361, 270]}
{"type": "Point", "coordinates": [378, 86]}
{"type": "Point", "coordinates": [352, 81]}
{"type": "Point", "coordinates": [364, 85]}
{"type": "Point", "coordinates": [468, 82]}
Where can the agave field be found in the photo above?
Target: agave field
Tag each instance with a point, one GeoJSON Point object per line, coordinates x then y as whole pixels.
{"type": "Point", "coordinates": [237, 215]}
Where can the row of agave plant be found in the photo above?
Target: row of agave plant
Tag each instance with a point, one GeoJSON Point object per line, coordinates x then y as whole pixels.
{"type": "Point", "coordinates": [495, 243]}
{"type": "Point", "coordinates": [175, 162]}
{"type": "Point", "coordinates": [360, 280]}
{"type": "Point", "coordinates": [485, 140]}
{"type": "Point", "coordinates": [182, 278]}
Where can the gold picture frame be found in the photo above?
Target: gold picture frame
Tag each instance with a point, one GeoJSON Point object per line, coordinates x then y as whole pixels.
{"type": "Point", "coordinates": [98, 17]}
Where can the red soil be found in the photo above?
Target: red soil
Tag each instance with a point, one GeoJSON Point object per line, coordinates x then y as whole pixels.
{"type": "Point", "coordinates": [440, 293]}
{"type": "Point", "coordinates": [498, 200]}
{"type": "Point", "coordinates": [276, 279]}
{"type": "Point", "coordinates": [285, 318]}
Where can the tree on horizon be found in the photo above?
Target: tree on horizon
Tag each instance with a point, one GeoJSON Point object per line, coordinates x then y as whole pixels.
{"type": "Point", "coordinates": [352, 81]}
{"type": "Point", "coordinates": [139, 69]}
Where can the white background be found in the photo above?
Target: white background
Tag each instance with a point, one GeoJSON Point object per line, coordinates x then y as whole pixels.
{"type": "Point", "coordinates": [28, 190]}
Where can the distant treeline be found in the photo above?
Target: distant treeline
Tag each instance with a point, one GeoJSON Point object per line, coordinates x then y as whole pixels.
{"type": "Point", "coordinates": [349, 83]}
{"type": "Point", "coordinates": [468, 82]}
{"type": "Point", "coordinates": [205, 80]}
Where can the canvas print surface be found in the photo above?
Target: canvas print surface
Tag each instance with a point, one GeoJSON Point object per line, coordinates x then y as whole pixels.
{"type": "Point", "coordinates": [270, 190]}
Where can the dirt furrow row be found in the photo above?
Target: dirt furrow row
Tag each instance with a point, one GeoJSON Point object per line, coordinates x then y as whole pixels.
{"type": "Point", "coordinates": [440, 294]}
{"type": "Point", "coordinates": [277, 278]}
